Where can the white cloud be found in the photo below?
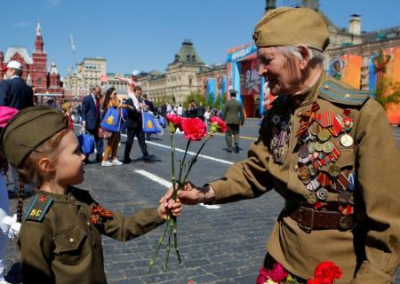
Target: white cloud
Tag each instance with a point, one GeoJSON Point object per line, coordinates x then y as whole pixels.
{"type": "Point", "coordinates": [54, 2]}
{"type": "Point", "coordinates": [20, 25]}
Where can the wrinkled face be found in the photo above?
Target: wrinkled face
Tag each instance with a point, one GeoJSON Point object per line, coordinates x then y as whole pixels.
{"type": "Point", "coordinates": [69, 165]}
{"type": "Point", "coordinates": [282, 73]}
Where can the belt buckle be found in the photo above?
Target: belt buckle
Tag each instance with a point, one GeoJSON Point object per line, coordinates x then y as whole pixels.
{"type": "Point", "coordinates": [306, 228]}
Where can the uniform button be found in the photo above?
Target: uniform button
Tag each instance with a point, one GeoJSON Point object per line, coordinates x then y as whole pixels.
{"type": "Point", "coordinates": [72, 198]}
{"type": "Point", "coordinates": [88, 223]}
{"type": "Point", "coordinates": [296, 167]}
{"type": "Point", "coordinates": [300, 113]}
{"type": "Point", "coordinates": [72, 240]}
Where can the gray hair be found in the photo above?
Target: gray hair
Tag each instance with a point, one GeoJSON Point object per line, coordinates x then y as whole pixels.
{"type": "Point", "coordinates": [316, 56]}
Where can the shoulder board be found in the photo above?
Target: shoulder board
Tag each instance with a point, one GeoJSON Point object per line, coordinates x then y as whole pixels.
{"type": "Point", "coordinates": [338, 92]}
{"type": "Point", "coordinates": [39, 208]}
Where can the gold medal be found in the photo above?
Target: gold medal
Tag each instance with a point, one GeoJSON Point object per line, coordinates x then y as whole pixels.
{"type": "Point", "coordinates": [318, 147]}
{"type": "Point", "coordinates": [327, 147]}
{"type": "Point", "coordinates": [324, 135]}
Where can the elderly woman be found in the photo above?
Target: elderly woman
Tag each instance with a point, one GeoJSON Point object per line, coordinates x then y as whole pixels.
{"type": "Point", "coordinates": [328, 150]}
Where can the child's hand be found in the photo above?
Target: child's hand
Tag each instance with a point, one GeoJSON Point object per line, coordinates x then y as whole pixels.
{"type": "Point", "coordinates": [167, 204]}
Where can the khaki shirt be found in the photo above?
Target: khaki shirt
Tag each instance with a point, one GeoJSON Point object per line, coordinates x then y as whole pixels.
{"type": "Point", "coordinates": [370, 252]}
{"type": "Point", "coordinates": [65, 247]}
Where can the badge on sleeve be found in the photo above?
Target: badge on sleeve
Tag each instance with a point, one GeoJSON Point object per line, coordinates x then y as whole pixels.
{"type": "Point", "coordinates": [39, 208]}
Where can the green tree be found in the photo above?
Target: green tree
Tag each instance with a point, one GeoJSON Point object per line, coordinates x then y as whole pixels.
{"type": "Point", "coordinates": [197, 97]}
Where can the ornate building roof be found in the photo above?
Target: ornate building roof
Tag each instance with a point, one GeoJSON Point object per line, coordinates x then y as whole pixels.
{"type": "Point", "coordinates": [187, 54]}
{"type": "Point", "coordinates": [21, 51]}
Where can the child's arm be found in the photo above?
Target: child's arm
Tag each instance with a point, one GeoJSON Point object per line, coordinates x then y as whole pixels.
{"type": "Point", "coordinates": [125, 228]}
{"type": "Point", "coordinates": [36, 247]}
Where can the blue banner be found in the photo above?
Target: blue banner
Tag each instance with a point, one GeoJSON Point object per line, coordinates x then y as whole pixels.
{"type": "Point", "coordinates": [242, 53]}
{"type": "Point", "coordinates": [211, 88]}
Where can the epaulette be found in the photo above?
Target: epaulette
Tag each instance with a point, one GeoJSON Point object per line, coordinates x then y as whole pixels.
{"type": "Point", "coordinates": [338, 92]}
{"type": "Point", "coordinates": [39, 208]}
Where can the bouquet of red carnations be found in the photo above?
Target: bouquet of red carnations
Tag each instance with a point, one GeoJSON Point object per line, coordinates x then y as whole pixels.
{"type": "Point", "coordinates": [325, 273]}
{"type": "Point", "coordinates": [194, 129]}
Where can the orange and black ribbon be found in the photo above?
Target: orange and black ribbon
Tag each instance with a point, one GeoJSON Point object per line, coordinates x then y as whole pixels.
{"type": "Point", "coordinates": [99, 211]}
{"type": "Point", "coordinates": [306, 119]}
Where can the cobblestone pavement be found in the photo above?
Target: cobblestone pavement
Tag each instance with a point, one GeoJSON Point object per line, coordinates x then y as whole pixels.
{"type": "Point", "coordinates": [224, 246]}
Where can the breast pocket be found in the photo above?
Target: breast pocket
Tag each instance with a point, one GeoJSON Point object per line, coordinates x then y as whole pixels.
{"type": "Point", "coordinates": [71, 246]}
{"type": "Point", "coordinates": [347, 160]}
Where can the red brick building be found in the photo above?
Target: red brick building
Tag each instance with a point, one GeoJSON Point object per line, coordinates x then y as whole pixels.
{"type": "Point", "coordinates": [35, 73]}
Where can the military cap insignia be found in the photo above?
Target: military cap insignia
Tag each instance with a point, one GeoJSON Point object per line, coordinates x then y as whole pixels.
{"type": "Point", "coordinates": [39, 208]}
{"type": "Point", "coordinates": [338, 92]}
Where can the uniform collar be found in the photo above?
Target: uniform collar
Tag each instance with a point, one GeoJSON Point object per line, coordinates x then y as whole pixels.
{"type": "Point", "coordinates": [68, 197]}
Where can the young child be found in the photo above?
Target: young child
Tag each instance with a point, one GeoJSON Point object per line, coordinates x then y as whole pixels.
{"type": "Point", "coordinates": [60, 238]}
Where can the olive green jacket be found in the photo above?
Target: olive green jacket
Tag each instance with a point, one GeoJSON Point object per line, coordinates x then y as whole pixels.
{"type": "Point", "coordinates": [65, 246]}
{"type": "Point", "coordinates": [233, 112]}
{"type": "Point", "coordinates": [368, 254]}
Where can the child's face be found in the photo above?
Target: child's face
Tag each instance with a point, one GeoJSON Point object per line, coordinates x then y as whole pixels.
{"type": "Point", "coordinates": [69, 166]}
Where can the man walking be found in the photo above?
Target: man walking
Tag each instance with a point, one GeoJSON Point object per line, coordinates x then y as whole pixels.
{"type": "Point", "coordinates": [14, 92]}
{"type": "Point", "coordinates": [233, 116]}
{"type": "Point", "coordinates": [134, 124]}
{"type": "Point", "coordinates": [91, 119]}
{"type": "Point", "coordinates": [150, 107]}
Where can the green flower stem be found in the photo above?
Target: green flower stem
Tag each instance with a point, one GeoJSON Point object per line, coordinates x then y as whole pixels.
{"type": "Point", "coordinates": [197, 154]}
{"type": "Point", "coordinates": [160, 243]}
{"type": "Point", "coordinates": [183, 161]}
{"type": "Point", "coordinates": [171, 226]}
{"type": "Point", "coordinates": [175, 229]}
{"type": "Point", "coordinates": [173, 165]}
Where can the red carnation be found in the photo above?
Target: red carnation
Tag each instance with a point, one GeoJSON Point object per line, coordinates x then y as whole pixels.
{"type": "Point", "coordinates": [176, 120]}
{"type": "Point", "coordinates": [325, 273]}
{"type": "Point", "coordinates": [278, 273]}
{"type": "Point", "coordinates": [262, 276]}
{"type": "Point", "coordinates": [194, 129]}
{"type": "Point", "coordinates": [221, 125]}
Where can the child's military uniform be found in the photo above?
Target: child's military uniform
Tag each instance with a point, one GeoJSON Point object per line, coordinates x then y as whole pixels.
{"type": "Point", "coordinates": [331, 154]}
{"type": "Point", "coordinates": [60, 238]}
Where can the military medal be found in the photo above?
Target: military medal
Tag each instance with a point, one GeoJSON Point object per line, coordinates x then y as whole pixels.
{"type": "Point", "coordinates": [327, 147]}
{"type": "Point", "coordinates": [322, 193]}
{"type": "Point", "coordinates": [334, 170]}
{"type": "Point", "coordinates": [346, 140]}
{"type": "Point", "coordinates": [276, 119]}
{"type": "Point", "coordinates": [324, 135]}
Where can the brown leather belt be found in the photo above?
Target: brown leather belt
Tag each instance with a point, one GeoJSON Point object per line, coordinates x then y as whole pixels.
{"type": "Point", "coordinates": [310, 219]}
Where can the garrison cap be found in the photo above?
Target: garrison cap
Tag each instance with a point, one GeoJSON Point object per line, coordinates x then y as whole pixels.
{"type": "Point", "coordinates": [27, 130]}
{"type": "Point", "coordinates": [287, 26]}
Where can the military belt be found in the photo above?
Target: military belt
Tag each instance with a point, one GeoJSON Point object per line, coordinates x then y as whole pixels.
{"type": "Point", "coordinates": [310, 219]}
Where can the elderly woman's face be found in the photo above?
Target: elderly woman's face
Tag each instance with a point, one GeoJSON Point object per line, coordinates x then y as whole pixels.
{"type": "Point", "coordinates": [282, 73]}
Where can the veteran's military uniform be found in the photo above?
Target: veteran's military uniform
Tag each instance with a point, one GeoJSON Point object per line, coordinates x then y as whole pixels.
{"type": "Point", "coordinates": [60, 238]}
{"type": "Point", "coordinates": [331, 154]}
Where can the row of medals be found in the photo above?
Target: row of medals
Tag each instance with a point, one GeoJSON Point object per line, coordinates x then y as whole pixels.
{"type": "Point", "coordinates": [318, 155]}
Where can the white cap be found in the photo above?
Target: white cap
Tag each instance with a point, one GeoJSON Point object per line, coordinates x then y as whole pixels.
{"type": "Point", "coordinates": [14, 65]}
{"type": "Point", "coordinates": [135, 73]}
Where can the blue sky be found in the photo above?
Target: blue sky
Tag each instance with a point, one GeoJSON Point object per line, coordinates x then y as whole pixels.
{"type": "Point", "coordinates": [145, 35]}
